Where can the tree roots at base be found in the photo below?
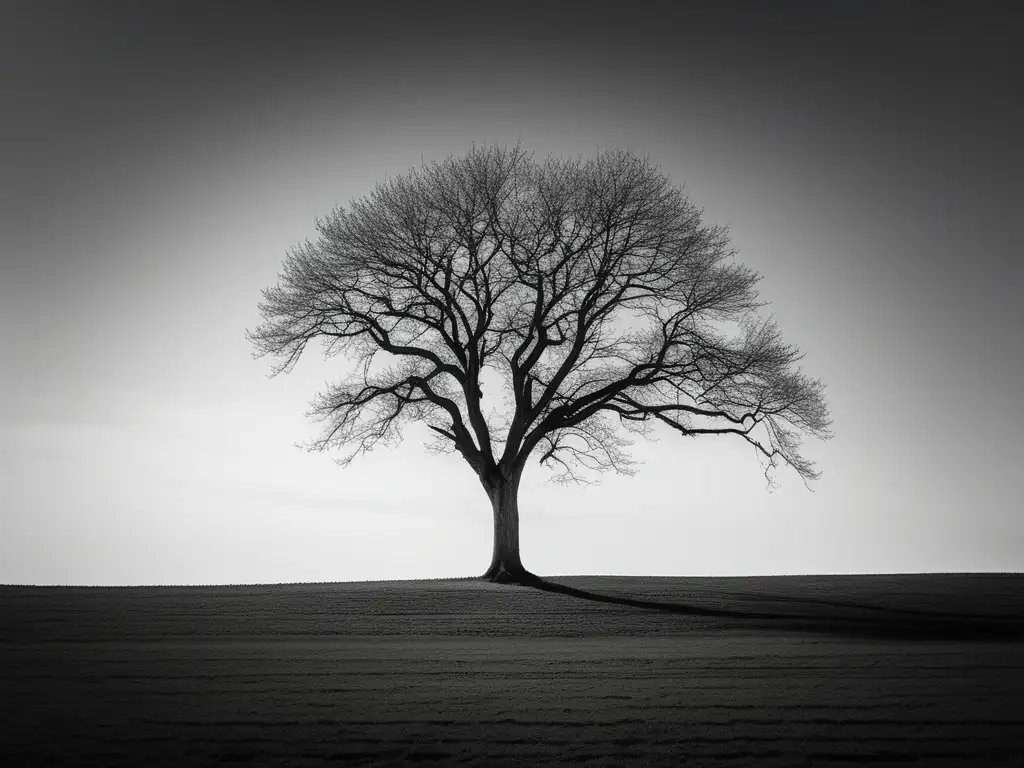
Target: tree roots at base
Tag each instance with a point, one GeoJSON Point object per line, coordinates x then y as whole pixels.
{"type": "Point", "coordinates": [503, 575]}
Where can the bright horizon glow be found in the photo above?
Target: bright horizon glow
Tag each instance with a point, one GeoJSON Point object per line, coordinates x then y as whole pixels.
{"type": "Point", "coordinates": [147, 203]}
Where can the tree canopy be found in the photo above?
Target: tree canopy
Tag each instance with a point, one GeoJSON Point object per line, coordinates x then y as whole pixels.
{"type": "Point", "coordinates": [591, 287]}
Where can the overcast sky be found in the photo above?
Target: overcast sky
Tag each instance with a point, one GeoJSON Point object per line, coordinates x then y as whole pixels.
{"type": "Point", "coordinates": [157, 160]}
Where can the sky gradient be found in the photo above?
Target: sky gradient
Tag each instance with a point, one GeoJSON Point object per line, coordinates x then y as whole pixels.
{"type": "Point", "coordinates": [159, 160]}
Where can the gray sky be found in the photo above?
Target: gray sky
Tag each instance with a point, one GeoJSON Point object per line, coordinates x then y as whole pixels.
{"type": "Point", "coordinates": [159, 159]}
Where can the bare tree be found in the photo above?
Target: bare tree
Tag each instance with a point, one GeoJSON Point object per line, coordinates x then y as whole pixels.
{"type": "Point", "coordinates": [588, 293]}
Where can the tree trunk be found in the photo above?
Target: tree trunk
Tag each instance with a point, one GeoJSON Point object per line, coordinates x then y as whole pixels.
{"type": "Point", "coordinates": [506, 567]}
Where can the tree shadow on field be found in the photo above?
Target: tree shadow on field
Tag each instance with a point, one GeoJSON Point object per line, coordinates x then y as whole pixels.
{"type": "Point", "coordinates": [879, 622]}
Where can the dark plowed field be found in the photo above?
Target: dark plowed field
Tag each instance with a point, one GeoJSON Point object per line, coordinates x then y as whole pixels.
{"type": "Point", "coordinates": [783, 671]}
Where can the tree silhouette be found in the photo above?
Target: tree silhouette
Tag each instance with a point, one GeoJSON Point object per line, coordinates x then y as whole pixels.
{"type": "Point", "coordinates": [587, 294]}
